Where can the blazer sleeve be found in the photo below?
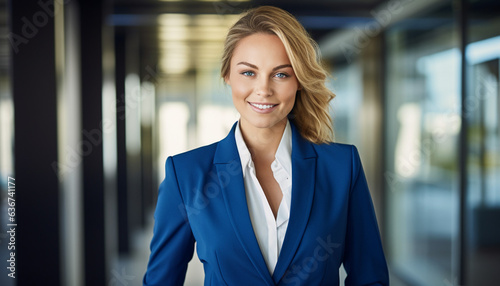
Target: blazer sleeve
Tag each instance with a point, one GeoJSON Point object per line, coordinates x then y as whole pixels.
{"type": "Point", "coordinates": [172, 245]}
{"type": "Point", "coordinates": [364, 259]}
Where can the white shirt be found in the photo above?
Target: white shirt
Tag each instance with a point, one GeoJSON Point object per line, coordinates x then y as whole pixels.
{"type": "Point", "coordinates": [269, 232]}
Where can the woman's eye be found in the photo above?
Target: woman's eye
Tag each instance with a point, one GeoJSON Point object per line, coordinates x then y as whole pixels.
{"type": "Point", "coordinates": [281, 75]}
{"type": "Point", "coordinates": [248, 73]}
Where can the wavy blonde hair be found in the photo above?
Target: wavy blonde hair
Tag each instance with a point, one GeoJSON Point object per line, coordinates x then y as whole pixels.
{"type": "Point", "coordinates": [311, 110]}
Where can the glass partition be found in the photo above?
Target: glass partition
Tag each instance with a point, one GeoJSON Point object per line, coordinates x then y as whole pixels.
{"type": "Point", "coordinates": [483, 140]}
{"type": "Point", "coordinates": [422, 131]}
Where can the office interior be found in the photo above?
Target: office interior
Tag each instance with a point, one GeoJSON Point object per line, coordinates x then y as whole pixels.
{"type": "Point", "coordinates": [94, 95]}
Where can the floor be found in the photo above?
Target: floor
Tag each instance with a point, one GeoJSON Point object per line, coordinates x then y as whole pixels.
{"type": "Point", "coordinates": [129, 271]}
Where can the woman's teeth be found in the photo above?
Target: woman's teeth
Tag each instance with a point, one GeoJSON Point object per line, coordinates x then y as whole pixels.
{"type": "Point", "coordinates": [262, 106]}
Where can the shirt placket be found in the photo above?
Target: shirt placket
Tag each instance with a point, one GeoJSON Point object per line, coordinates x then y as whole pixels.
{"type": "Point", "coordinates": [283, 180]}
{"type": "Point", "coordinates": [272, 236]}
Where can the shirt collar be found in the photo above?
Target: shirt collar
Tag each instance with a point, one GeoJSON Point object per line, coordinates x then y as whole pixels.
{"type": "Point", "coordinates": [283, 153]}
{"type": "Point", "coordinates": [243, 151]}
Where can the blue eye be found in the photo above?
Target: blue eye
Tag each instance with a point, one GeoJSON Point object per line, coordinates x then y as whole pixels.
{"type": "Point", "coordinates": [248, 73]}
{"type": "Point", "coordinates": [281, 75]}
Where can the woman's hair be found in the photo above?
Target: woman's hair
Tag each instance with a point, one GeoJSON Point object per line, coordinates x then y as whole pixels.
{"type": "Point", "coordinates": [311, 110]}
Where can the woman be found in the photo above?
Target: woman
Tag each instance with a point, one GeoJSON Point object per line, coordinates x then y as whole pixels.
{"type": "Point", "coordinates": [275, 202]}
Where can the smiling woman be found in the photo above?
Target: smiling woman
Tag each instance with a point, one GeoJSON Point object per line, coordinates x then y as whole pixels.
{"type": "Point", "coordinates": [276, 202]}
{"type": "Point", "coordinates": [311, 108]}
{"type": "Point", "coordinates": [263, 83]}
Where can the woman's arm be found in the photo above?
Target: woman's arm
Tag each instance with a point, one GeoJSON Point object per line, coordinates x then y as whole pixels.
{"type": "Point", "coordinates": [172, 245]}
{"type": "Point", "coordinates": [364, 259]}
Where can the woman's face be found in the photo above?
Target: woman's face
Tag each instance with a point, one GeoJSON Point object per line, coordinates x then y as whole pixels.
{"type": "Point", "coordinates": [262, 81]}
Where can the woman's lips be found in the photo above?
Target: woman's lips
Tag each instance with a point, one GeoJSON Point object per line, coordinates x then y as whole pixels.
{"type": "Point", "coordinates": [263, 107]}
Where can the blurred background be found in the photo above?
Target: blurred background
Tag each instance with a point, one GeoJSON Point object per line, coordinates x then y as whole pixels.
{"type": "Point", "coordinates": [94, 95]}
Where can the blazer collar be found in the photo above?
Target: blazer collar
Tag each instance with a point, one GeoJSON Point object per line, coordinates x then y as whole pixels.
{"type": "Point", "coordinates": [303, 182]}
{"type": "Point", "coordinates": [233, 190]}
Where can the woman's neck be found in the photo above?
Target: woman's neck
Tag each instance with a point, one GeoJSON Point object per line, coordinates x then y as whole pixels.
{"type": "Point", "coordinates": [262, 142]}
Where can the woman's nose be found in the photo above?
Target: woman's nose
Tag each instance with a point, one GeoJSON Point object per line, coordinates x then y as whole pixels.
{"type": "Point", "coordinates": [264, 87]}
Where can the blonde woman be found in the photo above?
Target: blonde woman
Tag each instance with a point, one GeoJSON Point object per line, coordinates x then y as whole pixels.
{"type": "Point", "coordinates": [276, 202]}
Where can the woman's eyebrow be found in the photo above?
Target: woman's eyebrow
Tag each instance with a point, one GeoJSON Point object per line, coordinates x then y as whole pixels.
{"type": "Point", "coordinates": [282, 66]}
{"type": "Point", "coordinates": [248, 64]}
{"type": "Point", "coordinates": [255, 67]}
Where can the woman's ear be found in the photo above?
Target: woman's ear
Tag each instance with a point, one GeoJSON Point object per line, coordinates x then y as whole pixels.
{"type": "Point", "coordinates": [226, 79]}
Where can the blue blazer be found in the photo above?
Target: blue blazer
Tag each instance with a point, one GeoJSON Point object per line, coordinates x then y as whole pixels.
{"type": "Point", "coordinates": [332, 220]}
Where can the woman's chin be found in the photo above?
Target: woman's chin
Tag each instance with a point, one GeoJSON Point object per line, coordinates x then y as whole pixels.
{"type": "Point", "coordinates": [266, 123]}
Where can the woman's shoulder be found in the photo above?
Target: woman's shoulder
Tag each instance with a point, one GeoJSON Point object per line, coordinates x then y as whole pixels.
{"type": "Point", "coordinates": [200, 155]}
{"type": "Point", "coordinates": [336, 148]}
{"type": "Point", "coordinates": [337, 151]}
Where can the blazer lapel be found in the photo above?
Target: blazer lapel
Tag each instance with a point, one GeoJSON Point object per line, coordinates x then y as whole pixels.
{"type": "Point", "coordinates": [228, 163]}
{"type": "Point", "coordinates": [303, 182]}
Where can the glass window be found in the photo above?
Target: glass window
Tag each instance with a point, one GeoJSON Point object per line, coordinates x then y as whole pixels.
{"type": "Point", "coordinates": [483, 140]}
{"type": "Point", "coordinates": [347, 84]}
{"type": "Point", "coordinates": [422, 129]}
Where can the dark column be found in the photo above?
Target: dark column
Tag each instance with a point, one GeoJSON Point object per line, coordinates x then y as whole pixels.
{"type": "Point", "coordinates": [147, 172]}
{"type": "Point", "coordinates": [463, 145]}
{"type": "Point", "coordinates": [134, 168]}
{"type": "Point", "coordinates": [121, 148]}
{"type": "Point", "coordinates": [150, 177]}
{"type": "Point", "coordinates": [33, 80]}
{"type": "Point", "coordinates": [372, 122]}
{"type": "Point", "coordinates": [91, 22]}
{"type": "Point", "coordinates": [149, 73]}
